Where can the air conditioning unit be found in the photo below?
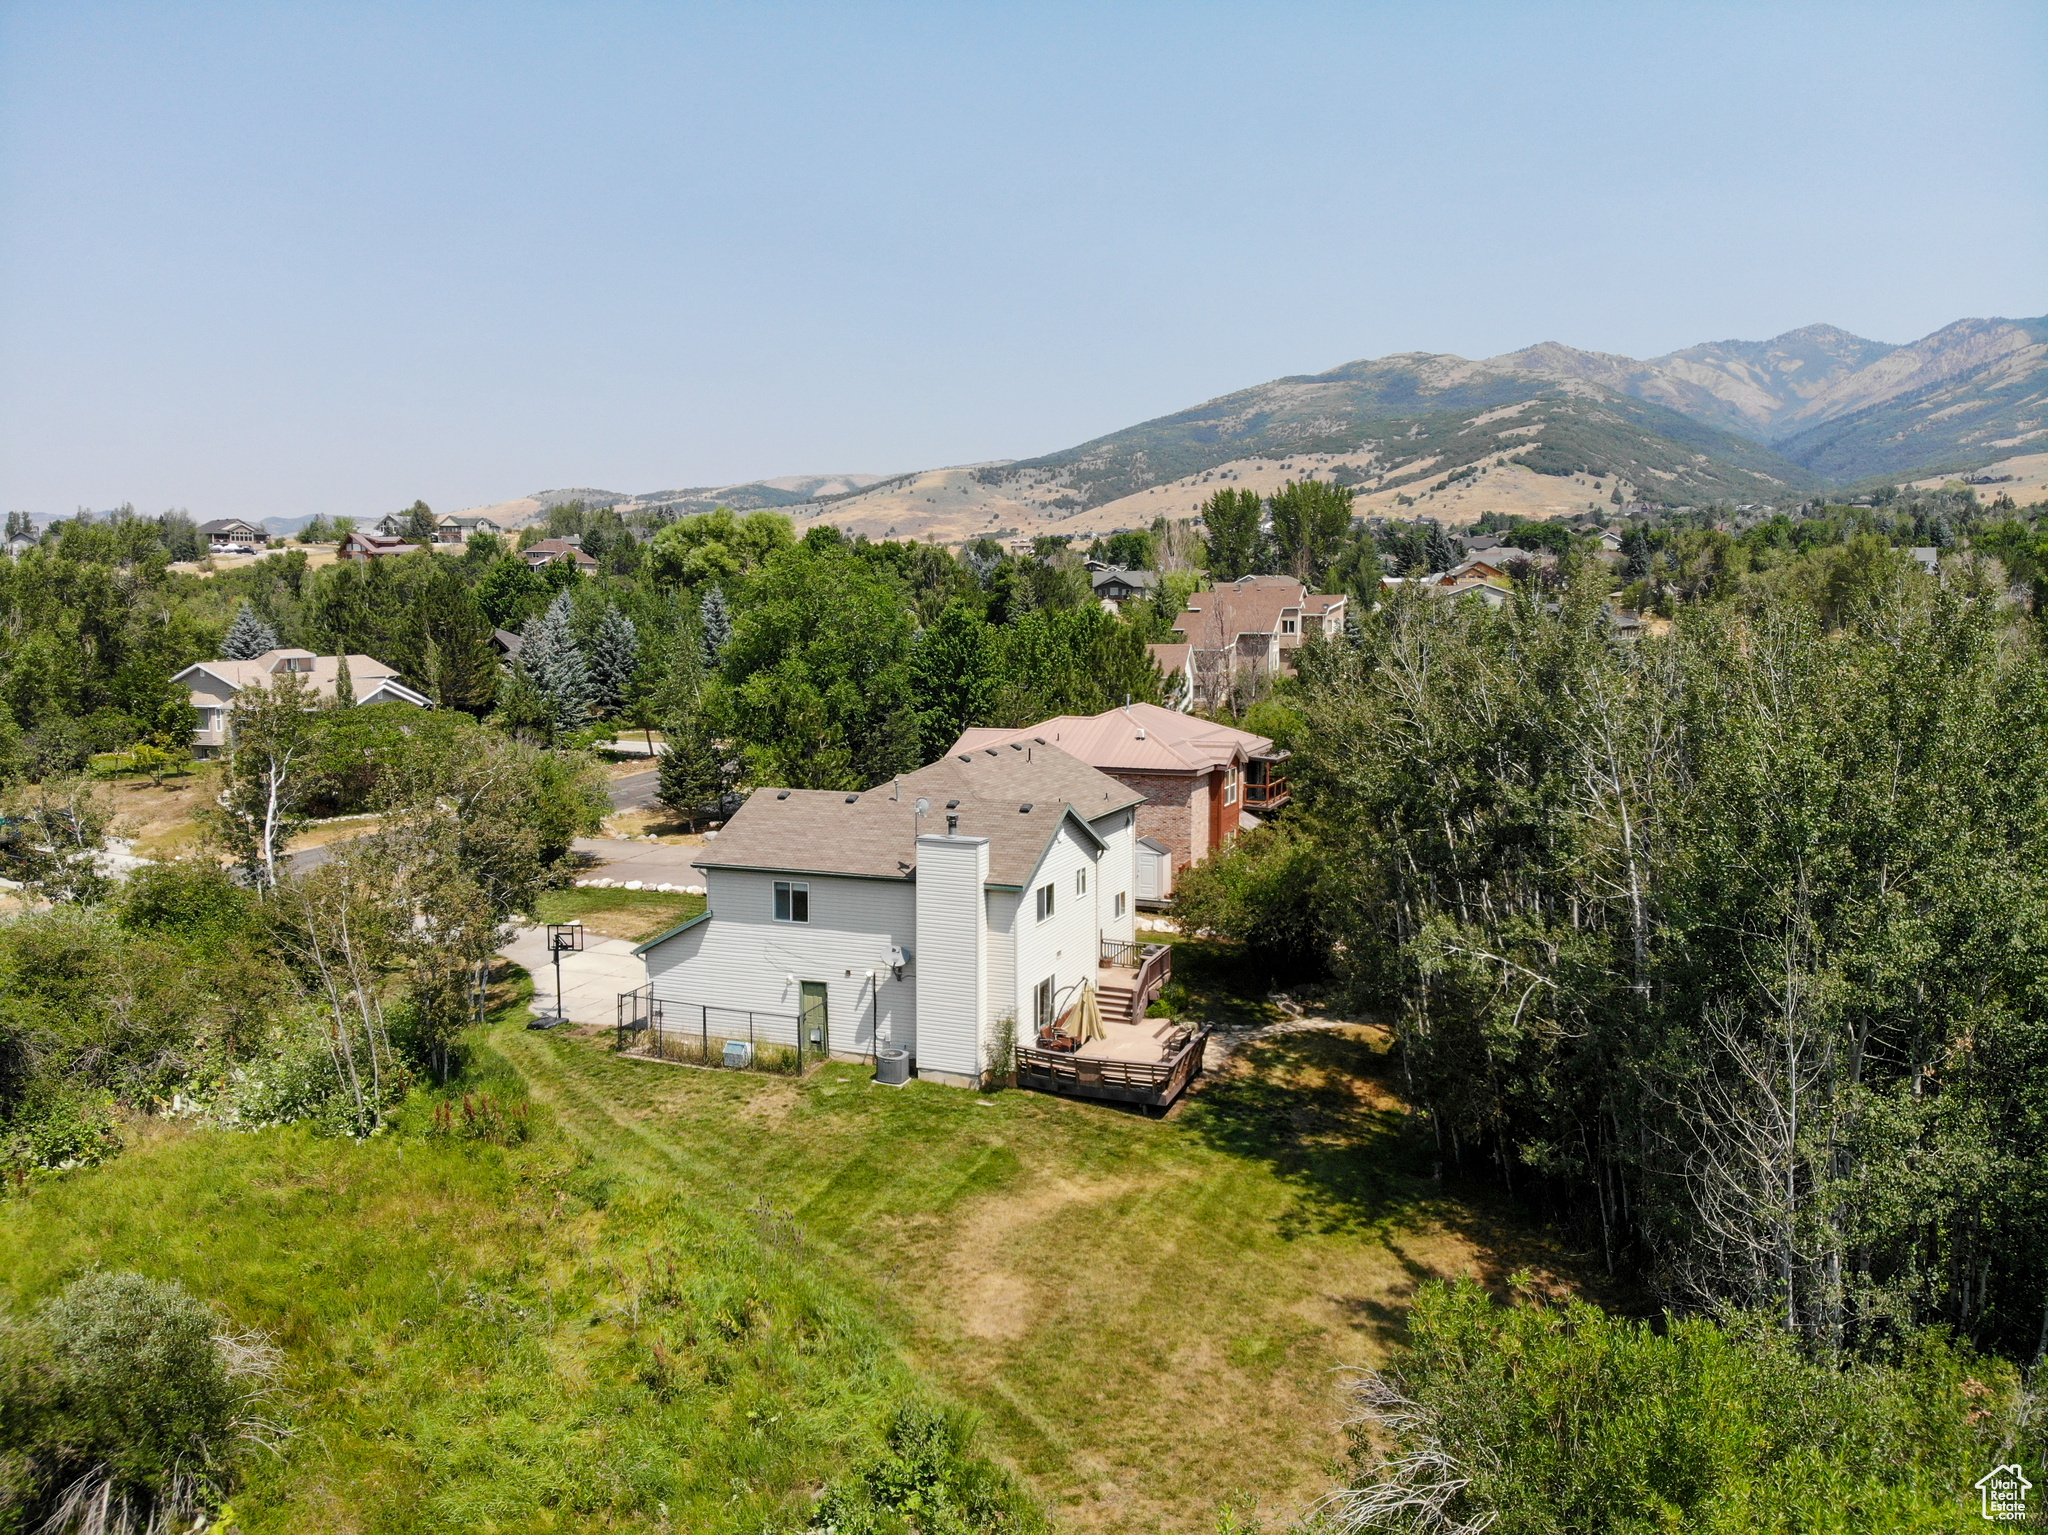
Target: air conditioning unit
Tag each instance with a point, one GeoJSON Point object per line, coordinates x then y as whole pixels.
{"type": "Point", "coordinates": [892, 1067]}
{"type": "Point", "coordinates": [738, 1053]}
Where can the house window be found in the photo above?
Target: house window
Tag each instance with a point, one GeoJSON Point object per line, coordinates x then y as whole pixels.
{"type": "Point", "coordinates": [1041, 1003]}
{"type": "Point", "coordinates": [1044, 902]}
{"type": "Point", "coordinates": [1230, 786]}
{"type": "Point", "coordinates": [1119, 903]}
{"type": "Point", "coordinates": [1287, 626]}
{"type": "Point", "coordinates": [792, 901]}
{"type": "Point", "coordinates": [1080, 882]}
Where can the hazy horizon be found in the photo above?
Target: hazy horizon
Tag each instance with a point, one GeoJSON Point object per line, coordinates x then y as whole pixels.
{"type": "Point", "coordinates": [262, 260]}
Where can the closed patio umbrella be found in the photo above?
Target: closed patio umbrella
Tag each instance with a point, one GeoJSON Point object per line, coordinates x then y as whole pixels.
{"type": "Point", "coordinates": [1088, 1016]}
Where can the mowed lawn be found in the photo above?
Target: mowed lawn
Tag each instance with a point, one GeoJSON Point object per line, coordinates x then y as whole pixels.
{"type": "Point", "coordinates": [691, 1297]}
{"type": "Point", "coordinates": [1149, 1315]}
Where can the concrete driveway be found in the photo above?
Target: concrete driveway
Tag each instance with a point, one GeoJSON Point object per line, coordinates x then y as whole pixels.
{"type": "Point", "coordinates": [591, 980]}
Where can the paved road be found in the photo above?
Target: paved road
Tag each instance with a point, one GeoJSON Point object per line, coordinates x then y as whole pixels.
{"type": "Point", "coordinates": [634, 791]}
{"type": "Point", "coordinates": [653, 863]}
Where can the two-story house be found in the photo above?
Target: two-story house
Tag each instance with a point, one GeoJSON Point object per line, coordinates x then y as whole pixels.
{"type": "Point", "coordinates": [1202, 782]}
{"type": "Point", "coordinates": [1250, 628]}
{"type": "Point", "coordinates": [214, 685]}
{"type": "Point", "coordinates": [927, 915]}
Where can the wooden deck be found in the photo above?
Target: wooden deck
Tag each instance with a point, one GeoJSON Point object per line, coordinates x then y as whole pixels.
{"type": "Point", "coordinates": [1135, 1063]}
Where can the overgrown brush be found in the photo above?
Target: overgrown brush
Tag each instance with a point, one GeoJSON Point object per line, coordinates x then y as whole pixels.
{"type": "Point", "coordinates": [125, 1409]}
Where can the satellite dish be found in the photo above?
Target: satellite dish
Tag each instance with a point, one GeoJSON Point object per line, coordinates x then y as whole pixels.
{"type": "Point", "coordinates": [924, 806]}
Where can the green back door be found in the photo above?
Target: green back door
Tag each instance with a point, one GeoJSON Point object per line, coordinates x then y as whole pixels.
{"type": "Point", "coordinates": [817, 1036]}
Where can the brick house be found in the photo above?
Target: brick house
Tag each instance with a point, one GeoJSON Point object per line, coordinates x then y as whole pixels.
{"type": "Point", "coordinates": [1201, 780]}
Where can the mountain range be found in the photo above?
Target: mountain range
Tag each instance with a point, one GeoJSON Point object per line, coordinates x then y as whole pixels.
{"type": "Point", "coordinates": [1544, 430]}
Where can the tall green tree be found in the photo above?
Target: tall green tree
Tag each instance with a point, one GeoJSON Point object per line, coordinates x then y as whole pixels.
{"type": "Point", "coordinates": [554, 662]}
{"type": "Point", "coordinates": [1310, 520]}
{"type": "Point", "coordinates": [419, 524]}
{"type": "Point", "coordinates": [465, 662]}
{"type": "Point", "coordinates": [815, 683]}
{"type": "Point", "coordinates": [1230, 523]}
{"type": "Point", "coordinates": [956, 672]}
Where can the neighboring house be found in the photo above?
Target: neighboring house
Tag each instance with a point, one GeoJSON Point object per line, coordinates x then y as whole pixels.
{"type": "Point", "coordinates": [917, 916]}
{"type": "Point", "coordinates": [1201, 781]}
{"type": "Point", "coordinates": [1493, 594]}
{"type": "Point", "coordinates": [1485, 543]}
{"type": "Point", "coordinates": [214, 684]}
{"type": "Point", "coordinates": [1115, 586]}
{"type": "Point", "coordinates": [231, 535]}
{"type": "Point", "coordinates": [1176, 664]}
{"type": "Point", "coordinates": [20, 544]}
{"type": "Point", "coordinates": [1251, 628]}
{"type": "Point", "coordinates": [1475, 568]}
{"type": "Point", "coordinates": [507, 644]}
{"type": "Point", "coordinates": [457, 530]}
{"type": "Point", "coordinates": [1928, 559]}
{"type": "Point", "coordinates": [360, 546]}
{"type": "Point", "coordinates": [397, 526]}
{"type": "Point", "coordinates": [550, 550]}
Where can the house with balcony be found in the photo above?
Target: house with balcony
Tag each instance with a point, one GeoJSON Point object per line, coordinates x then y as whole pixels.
{"type": "Point", "coordinates": [1239, 631]}
{"type": "Point", "coordinates": [1201, 782]}
{"type": "Point", "coordinates": [214, 686]}
{"type": "Point", "coordinates": [990, 895]}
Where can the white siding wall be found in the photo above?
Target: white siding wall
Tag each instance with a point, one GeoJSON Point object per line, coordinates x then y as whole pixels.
{"type": "Point", "coordinates": [1119, 873]}
{"type": "Point", "coordinates": [1066, 946]}
{"type": "Point", "coordinates": [1003, 906]}
{"type": "Point", "coordinates": [952, 957]}
{"type": "Point", "coordinates": [742, 958]}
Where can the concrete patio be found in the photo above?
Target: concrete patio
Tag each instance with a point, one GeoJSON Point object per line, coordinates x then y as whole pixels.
{"type": "Point", "coordinates": [591, 980]}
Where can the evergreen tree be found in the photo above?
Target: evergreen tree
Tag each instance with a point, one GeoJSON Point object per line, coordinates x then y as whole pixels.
{"type": "Point", "coordinates": [714, 627]}
{"type": "Point", "coordinates": [697, 771]}
{"type": "Point", "coordinates": [248, 636]}
{"type": "Point", "coordinates": [614, 659]}
{"type": "Point", "coordinates": [466, 669]}
{"type": "Point", "coordinates": [344, 684]}
{"type": "Point", "coordinates": [554, 662]}
{"type": "Point", "coordinates": [419, 524]}
{"type": "Point", "coordinates": [1440, 550]}
{"type": "Point", "coordinates": [1635, 546]}
{"type": "Point", "coordinates": [521, 708]}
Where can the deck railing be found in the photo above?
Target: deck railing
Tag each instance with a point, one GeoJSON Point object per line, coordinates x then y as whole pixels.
{"type": "Point", "coordinates": [698, 1034]}
{"type": "Point", "coordinates": [1154, 1084]}
{"type": "Point", "coordinates": [1152, 961]}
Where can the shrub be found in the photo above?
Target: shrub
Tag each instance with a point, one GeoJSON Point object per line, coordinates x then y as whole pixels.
{"type": "Point", "coordinates": [927, 1479]}
{"type": "Point", "coordinates": [1532, 1419]}
{"type": "Point", "coordinates": [1259, 891]}
{"type": "Point", "coordinates": [122, 1408]}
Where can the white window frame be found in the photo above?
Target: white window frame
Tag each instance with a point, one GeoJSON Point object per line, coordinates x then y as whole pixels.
{"type": "Point", "coordinates": [1230, 777]}
{"type": "Point", "coordinates": [792, 902]}
{"type": "Point", "coordinates": [1046, 903]}
{"type": "Point", "coordinates": [1043, 1001]}
{"type": "Point", "coordinates": [1119, 903]}
{"type": "Point", "coordinates": [1287, 626]}
{"type": "Point", "coordinates": [1080, 882]}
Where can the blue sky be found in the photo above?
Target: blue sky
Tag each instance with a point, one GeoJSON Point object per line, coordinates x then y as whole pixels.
{"type": "Point", "coordinates": [282, 259]}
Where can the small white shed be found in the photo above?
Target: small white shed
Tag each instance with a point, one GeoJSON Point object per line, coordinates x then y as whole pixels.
{"type": "Point", "coordinates": [1155, 873]}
